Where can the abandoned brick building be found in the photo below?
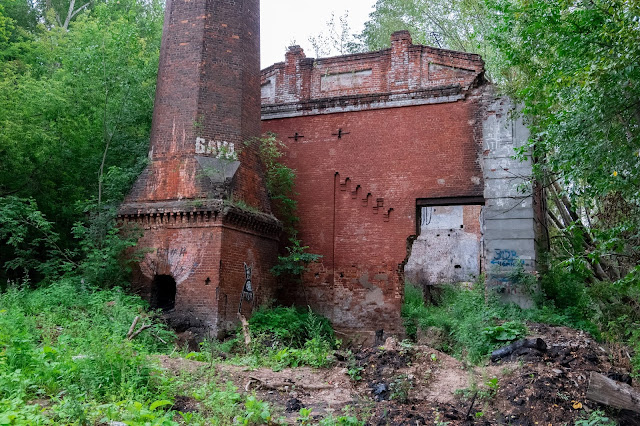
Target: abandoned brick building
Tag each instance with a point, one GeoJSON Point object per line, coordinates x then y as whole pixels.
{"type": "Point", "coordinates": [404, 171]}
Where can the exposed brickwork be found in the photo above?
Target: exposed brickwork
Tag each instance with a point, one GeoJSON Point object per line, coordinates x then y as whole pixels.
{"type": "Point", "coordinates": [369, 134]}
{"type": "Point", "coordinates": [207, 106]}
{"type": "Point", "coordinates": [205, 252]}
{"type": "Point", "coordinates": [411, 129]}
{"type": "Point", "coordinates": [208, 87]}
{"type": "Point", "coordinates": [404, 68]}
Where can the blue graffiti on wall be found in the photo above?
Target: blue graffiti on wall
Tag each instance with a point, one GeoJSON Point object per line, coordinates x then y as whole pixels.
{"type": "Point", "coordinates": [506, 258]}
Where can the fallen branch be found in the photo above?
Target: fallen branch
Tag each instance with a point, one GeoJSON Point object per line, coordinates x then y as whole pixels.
{"type": "Point", "coordinates": [133, 326]}
{"type": "Point", "coordinates": [132, 335]}
{"type": "Point", "coordinates": [245, 330]}
{"type": "Point", "coordinates": [609, 392]}
{"type": "Point", "coordinates": [140, 330]}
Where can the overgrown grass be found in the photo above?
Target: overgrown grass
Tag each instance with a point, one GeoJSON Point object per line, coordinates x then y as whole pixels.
{"type": "Point", "coordinates": [474, 325]}
{"type": "Point", "coordinates": [280, 337]}
{"type": "Point", "coordinates": [65, 359]}
{"type": "Point", "coordinates": [467, 323]}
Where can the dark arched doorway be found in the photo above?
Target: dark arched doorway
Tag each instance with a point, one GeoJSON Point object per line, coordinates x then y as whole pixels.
{"type": "Point", "coordinates": [163, 292]}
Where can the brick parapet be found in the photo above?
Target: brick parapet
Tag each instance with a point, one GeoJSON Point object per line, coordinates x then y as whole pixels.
{"type": "Point", "coordinates": [412, 73]}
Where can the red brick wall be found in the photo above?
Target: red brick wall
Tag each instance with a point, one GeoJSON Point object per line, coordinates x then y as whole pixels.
{"type": "Point", "coordinates": [188, 252]}
{"type": "Point", "coordinates": [357, 196]}
{"type": "Point", "coordinates": [205, 254]}
{"type": "Point", "coordinates": [411, 123]}
{"type": "Point", "coordinates": [260, 254]}
{"type": "Point", "coordinates": [208, 87]}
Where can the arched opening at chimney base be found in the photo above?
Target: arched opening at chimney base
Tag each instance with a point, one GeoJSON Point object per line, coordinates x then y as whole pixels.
{"type": "Point", "coordinates": [163, 292]}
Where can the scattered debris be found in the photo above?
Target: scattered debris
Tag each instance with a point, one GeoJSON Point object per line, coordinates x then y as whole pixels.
{"type": "Point", "coordinates": [416, 385]}
{"type": "Point", "coordinates": [516, 347]}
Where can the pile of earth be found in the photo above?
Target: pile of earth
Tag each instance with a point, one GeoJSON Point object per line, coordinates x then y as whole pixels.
{"type": "Point", "coordinates": [399, 384]}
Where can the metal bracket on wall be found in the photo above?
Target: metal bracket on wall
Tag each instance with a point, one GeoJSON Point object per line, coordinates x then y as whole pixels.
{"type": "Point", "coordinates": [296, 136]}
{"type": "Point", "coordinates": [340, 133]}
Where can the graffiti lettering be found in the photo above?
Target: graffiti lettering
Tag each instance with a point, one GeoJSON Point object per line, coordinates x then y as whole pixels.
{"type": "Point", "coordinates": [171, 252]}
{"type": "Point", "coordinates": [220, 149]}
{"type": "Point", "coordinates": [506, 258]}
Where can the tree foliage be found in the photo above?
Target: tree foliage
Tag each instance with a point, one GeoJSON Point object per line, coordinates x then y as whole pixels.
{"type": "Point", "coordinates": [77, 104]}
{"type": "Point", "coordinates": [574, 66]}
{"type": "Point", "coordinates": [337, 40]}
{"type": "Point", "coordinates": [462, 25]}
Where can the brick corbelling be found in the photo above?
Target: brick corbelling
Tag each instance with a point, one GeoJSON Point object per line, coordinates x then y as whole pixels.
{"type": "Point", "coordinates": [257, 221]}
{"type": "Point", "coordinates": [200, 213]}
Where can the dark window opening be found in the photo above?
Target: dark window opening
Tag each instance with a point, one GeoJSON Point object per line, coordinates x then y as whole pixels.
{"type": "Point", "coordinates": [163, 292]}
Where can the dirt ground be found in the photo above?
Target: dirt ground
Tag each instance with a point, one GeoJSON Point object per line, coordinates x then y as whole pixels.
{"type": "Point", "coordinates": [417, 385]}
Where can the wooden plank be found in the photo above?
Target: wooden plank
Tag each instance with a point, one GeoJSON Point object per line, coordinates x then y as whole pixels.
{"type": "Point", "coordinates": [609, 392]}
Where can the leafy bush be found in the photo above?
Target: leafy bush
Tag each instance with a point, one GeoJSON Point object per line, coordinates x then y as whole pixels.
{"type": "Point", "coordinates": [291, 326]}
{"type": "Point", "coordinates": [295, 263]}
{"type": "Point", "coordinates": [280, 337]}
{"type": "Point", "coordinates": [291, 337]}
{"type": "Point", "coordinates": [470, 324]}
{"type": "Point", "coordinates": [506, 332]}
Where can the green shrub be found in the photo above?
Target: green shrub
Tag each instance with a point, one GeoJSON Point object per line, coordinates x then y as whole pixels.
{"type": "Point", "coordinates": [470, 324]}
{"type": "Point", "coordinates": [280, 337]}
{"type": "Point", "coordinates": [291, 327]}
{"type": "Point", "coordinates": [506, 332]}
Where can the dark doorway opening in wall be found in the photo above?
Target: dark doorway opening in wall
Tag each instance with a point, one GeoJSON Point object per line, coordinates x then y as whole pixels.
{"type": "Point", "coordinates": [163, 292]}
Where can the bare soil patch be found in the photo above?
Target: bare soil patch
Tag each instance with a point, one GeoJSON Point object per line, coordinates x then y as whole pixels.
{"type": "Point", "coordinates": [418, 385]}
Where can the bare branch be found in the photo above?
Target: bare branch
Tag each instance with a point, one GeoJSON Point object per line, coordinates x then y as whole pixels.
{"type": "Point", "coordinates": [71, 12]}
{"type": "Point", "coordinates": [140, 330]}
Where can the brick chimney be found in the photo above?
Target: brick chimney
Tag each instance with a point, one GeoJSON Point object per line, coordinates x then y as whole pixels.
{"type": "Point", "coordinates": [203, 250]}
{"type": "Point", "coordinates": [207, 106]}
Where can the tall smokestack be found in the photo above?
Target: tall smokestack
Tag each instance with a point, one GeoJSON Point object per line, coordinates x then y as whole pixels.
{"type": "Point", "coordinates": [207, 105]}
{"type": "Point", "coordinates": [204, 252]}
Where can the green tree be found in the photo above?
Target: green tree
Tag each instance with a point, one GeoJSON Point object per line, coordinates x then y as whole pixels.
{"type": "Point", "coordinates": [574, 66]}
{"type": "Point", "coordinates": [461, 25]}
{"type": "Point", "coordinates": [76, 115]}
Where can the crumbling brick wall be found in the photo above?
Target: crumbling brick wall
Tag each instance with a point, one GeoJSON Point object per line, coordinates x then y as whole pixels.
{"type": "Point", "coordinates": [369, 134]}
{"type": "Point", "coordinates": [190, 202]}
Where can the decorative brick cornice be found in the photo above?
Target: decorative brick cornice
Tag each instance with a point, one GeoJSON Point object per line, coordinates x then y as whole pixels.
{"type": "Point", "coordinates": [262, 223]}
{"type": "Point", "coordinates": [363, 102]}
{"type": "Point", "coordinates": [194, 213]}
